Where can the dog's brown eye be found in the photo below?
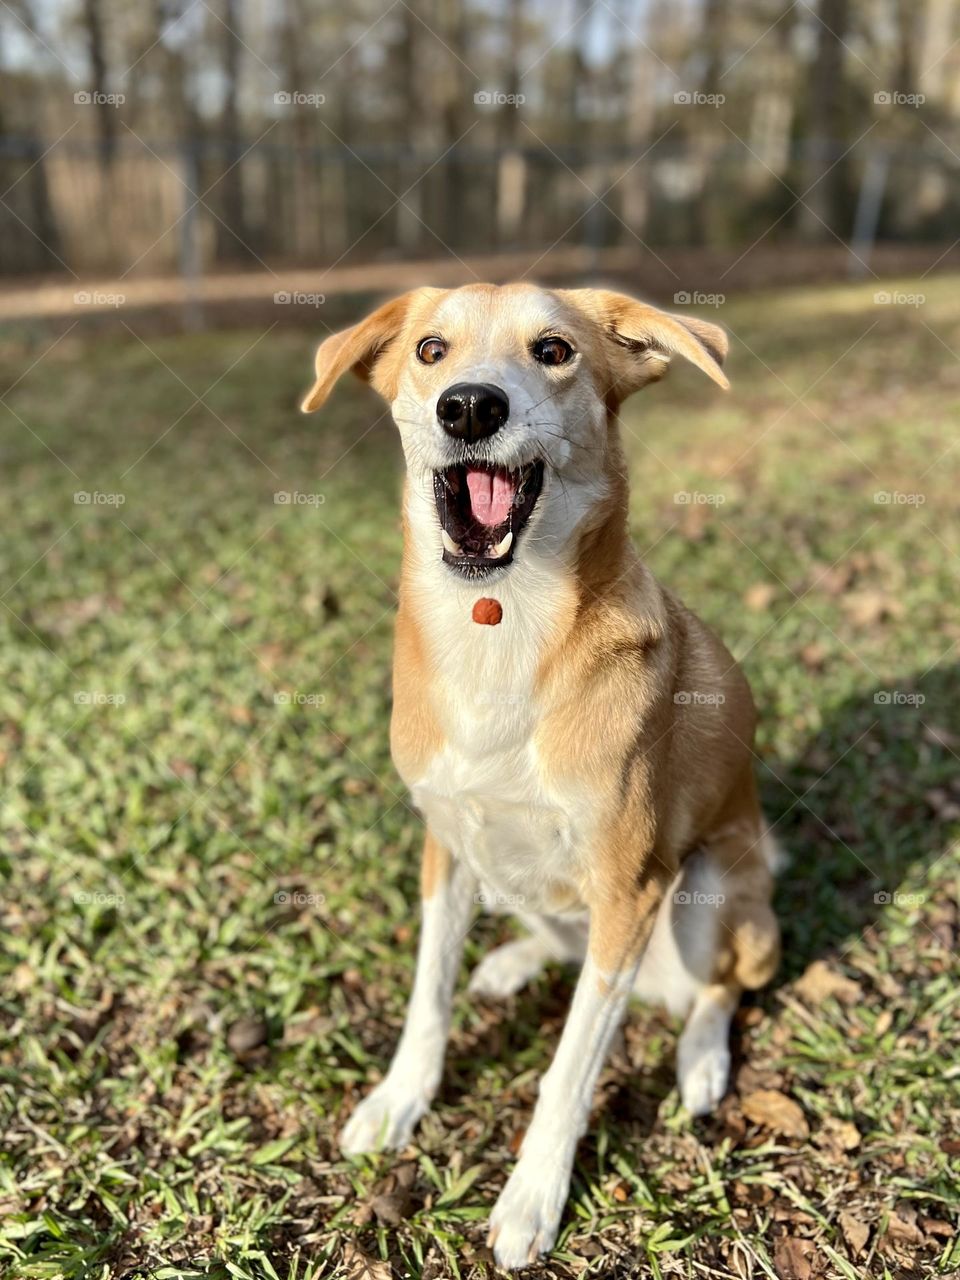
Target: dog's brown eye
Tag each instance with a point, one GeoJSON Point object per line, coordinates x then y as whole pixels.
{"type": "Point", "coordinates": [552, 351]}
{"type": "Point", "coordinates": [430, 350]}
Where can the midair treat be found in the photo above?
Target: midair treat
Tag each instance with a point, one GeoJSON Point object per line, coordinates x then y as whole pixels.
{"type": "Point", "coordinates": [488, 612]}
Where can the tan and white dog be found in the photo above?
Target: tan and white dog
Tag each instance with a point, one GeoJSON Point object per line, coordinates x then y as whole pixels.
{"type": "Point", "coordinates": [586, 761]}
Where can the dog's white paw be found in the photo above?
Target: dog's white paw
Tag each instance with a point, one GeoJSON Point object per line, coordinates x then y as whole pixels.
{"type": "Point", "coordinates": [703, 1077]}
{"type": "Point", "coordinates": [384, 1120]}
{"type": "Point", "coordinates": [526, 1217]}
{"type": "Point", "coordinates": [507, 969]}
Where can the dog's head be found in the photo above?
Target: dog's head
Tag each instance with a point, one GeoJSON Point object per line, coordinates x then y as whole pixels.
{"type": "Point", "coordinates": [505, 399]}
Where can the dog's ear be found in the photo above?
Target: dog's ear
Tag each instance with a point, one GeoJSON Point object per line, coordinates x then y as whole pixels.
{"type": "Point", "coordinates": [641, 340]}
{"type": "Point", "coordinates": [358, 349]}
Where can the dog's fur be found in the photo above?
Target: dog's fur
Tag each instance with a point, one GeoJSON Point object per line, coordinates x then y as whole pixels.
{"type": "Point", "coordinates": [586, 764]}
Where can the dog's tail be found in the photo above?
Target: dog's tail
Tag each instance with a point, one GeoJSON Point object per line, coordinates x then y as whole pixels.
{"type": "Point", "coordinates": [773, 852]}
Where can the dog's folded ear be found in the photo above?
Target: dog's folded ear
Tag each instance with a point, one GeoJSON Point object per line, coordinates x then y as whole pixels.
{"type": "Point", "coordinates": [360, 350]}
{"type": "Point", "coordinates": [642, 339]}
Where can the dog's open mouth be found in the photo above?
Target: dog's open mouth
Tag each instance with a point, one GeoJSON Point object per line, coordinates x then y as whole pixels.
{"type": "Point", "coordinates": [482, 511]}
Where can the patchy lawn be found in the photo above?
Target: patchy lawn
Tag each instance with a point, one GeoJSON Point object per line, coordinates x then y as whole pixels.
{"type": "Point", "coordinates": [209, 865]}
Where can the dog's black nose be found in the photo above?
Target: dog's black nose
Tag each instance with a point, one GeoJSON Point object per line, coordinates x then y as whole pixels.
{"type": "Point", "coordinates": [471, 410]}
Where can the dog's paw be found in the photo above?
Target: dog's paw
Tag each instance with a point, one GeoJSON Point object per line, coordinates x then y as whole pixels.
{"type": "Point", "coordinates": [507, 969]}
{"type": "Point", "coordinates": [703, 1078]}
{"type": "Point", "coordinates": [526, 1217]}
{"type": "Point", "coordinates": [384, 1120]}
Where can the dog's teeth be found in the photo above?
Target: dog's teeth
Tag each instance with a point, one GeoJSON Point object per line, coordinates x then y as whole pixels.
{"type": "Point", "coordinates": [449, 543]}
{"type": "Point", "coordinates": [503, 546]}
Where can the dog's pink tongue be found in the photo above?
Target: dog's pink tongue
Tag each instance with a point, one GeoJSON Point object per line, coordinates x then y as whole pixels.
{"type": "Point", "coordinates": [491, 495]}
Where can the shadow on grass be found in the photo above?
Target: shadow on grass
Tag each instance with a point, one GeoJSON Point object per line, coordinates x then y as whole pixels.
{"type": "Point", "coordinates": [864, 811]}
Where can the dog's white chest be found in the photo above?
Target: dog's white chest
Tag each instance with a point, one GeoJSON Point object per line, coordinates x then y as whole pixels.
{"type": "Point", "coordinates": [486, 794]}
{"type": "Point", "coordinates": [492, 809]}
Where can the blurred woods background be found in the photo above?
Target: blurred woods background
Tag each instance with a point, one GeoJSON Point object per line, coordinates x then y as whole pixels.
{"type": "Point", "coordinates": [188, 136]}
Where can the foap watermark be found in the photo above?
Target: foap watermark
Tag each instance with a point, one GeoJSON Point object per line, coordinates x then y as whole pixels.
{"type": "Point", "coordinates": [896, 298]}
{"type": "Point", "coordinates": [500, 698]}
{"type": "Point", "coordinates": [97, 298]}
{"type": "Point", "coordinates": [884, 898]}
{"type": "Point", "coordinates": [298, 898]}
{"type": "Point", "coordinates": [98, 698]}
{"type": "Point", "coordinates": [694, 898]}
{"type": "Point", "coordinates": [698, 698]}
{"type": "Point", "coordinates": [494, 98]}
{"type": "Point", "coordinates": [296, 98]}
{"type": "Point", "coordinates": [96, 898]}
{"type": "Point", "coordinates": [298, 699]}
{"type": "Point", "coordinates": [694, 98]}
{"type": "Point", "coordinates": [94, 498]}
{"type": "Point", "coordinates": [489, 898]}
{"type": "Point", "coordinates": [297, 298]}
{"type": "Point", "coordinates": [697, 299]}
{"type": "Point", "coordinates": [694, 498]}
{"type": "Point", "coordinates": [898, 698]}
{"type": "Point", "coordinates": [894, 498]}
{"type": "Point", "coordinates": [94, 98]}
{"type": "Point", "coordinates": [894, 98]}
{"type": "Point", "coordinates": [294, 498]}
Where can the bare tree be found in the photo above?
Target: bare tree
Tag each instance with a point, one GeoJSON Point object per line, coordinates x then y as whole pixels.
{"type": "Point", "coordinates": [826, 206]}
{"type": "Point", "coordinates": [233, 234]}
{"type": "Point", "coordinates": [511, 165]}
{"type": "Point", "coordinates": [105, 114]}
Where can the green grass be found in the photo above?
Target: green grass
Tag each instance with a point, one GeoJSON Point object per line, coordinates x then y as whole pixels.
{"type": "Point", "coordinates": [201, 854]}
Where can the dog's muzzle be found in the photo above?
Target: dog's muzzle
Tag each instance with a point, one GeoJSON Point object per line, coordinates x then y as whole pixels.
{"type": "Point", "coordinates": [471, 411]}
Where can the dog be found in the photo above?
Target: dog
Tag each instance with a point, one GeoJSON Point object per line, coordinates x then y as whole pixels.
{"type": "Point", "coordinates": [579, 743]}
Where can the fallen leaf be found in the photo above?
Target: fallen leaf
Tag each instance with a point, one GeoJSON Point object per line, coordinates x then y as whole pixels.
{"type": "Point", "coordinates": [943, 804]}
{"type": "Point", "coordinates": [23, 977]}
{"type": "Point", "coordinates": [937, 1227]}
{"type": "Point", "coordinates": [363, 1266]}
{"type": "Point", "coordinates": [838, 1136]}
{"type": "Point", "coordinates": [883, 1023]}
{"type": "Point", "coordinates": [846, 1133]}
{"type": "Point", "coordinates": [819, 981]}
{"type": "Point", "coordinates": [855, 1232]}
{"type": "Point", "coordinates": [392, 1208]}
{"type": "Point", "coordinates": [814, 655]}
{"type": "Point", "coordinates": [776, 1112]}
{"type": "Point", "coordinates": [760, 596]}
{"type": "Point", "coordinates": [907, 1232]}
{"type": "Point", "coordinates": [866, 608]}
{"type": "Point", "coordinates": [937, 736]}
{"type": "Point", "coordinates": [793, 1258]}
{"type": "Point", "coordinates": [834, 580]}
{"type": "Point", "coordinates": [246, 1034]}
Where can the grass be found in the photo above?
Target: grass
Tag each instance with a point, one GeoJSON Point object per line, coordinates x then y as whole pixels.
{"type": "Point", "coordinates": [209, 866]}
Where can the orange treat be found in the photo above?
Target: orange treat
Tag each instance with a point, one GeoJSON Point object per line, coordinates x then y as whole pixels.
{"type": "Point", "coordinates": [487, 612]}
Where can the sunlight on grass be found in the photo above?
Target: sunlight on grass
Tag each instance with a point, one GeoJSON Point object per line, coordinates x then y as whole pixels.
{"type": "Point", "coordinates": [210, 866]}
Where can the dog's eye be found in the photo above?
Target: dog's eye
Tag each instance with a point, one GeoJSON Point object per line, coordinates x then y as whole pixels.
{"type": "Point", "coordinates": [552, 351]}
{"type": "Point", "coordinates": [430, 350]}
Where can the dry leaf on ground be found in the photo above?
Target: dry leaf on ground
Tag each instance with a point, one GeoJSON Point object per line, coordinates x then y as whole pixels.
{"type": "Point", "coordinates": [776, 1112]}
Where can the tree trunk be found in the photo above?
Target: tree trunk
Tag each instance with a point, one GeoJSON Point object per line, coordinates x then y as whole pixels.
{"type": "Point", "coordinates": [106, 115]}
{"type": "Point", "coordinates": [233, 239]}
{"type": "Point", "coordinates": [511, 162]}
{"type": "Point", "coordinates": [827, 180]}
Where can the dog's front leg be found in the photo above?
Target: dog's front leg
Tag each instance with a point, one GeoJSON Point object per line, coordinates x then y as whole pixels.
{"type": "Point", "coordinates": [387, 1116]}
{"type": "Point", "coordinates": [526, 1216]}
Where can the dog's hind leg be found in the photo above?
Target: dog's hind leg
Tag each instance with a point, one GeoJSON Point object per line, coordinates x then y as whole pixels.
{"type": "Point", "coordinates": [738, 859]}
{"type": "Point", "coordinates": [510, 967]}
{"type": "Point", "coordinates": [703, 1051]}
